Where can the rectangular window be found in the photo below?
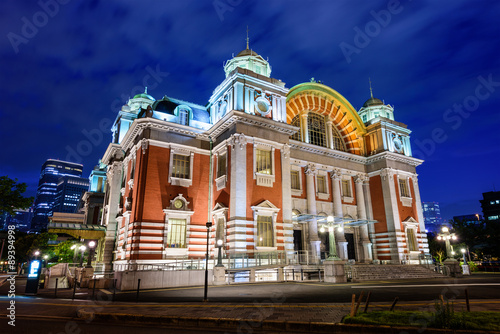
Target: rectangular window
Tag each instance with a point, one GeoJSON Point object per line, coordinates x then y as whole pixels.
{"type": "Point", "coordinates": [346, 188]}
{"type": "Point", "coordinates": [220, 230]}
{"type": "Point", "coordinates": [221, 165]}
{"type": "Point", "coordinates": [412, 240]}
{"type": "Point", "coordinates": [295, 179]}
{"type": "Point", "coordinates": [176, 237]}
{"type": "Point", "coordinates": [403, 189]}
{"type": "Point", "coordinates": [321, 181]}
{"type": "Point", "coordinates": [264, 162]}
{"type": "Point", "coordinates": [180, 168]}
{"type": "Point", "coordinates": [265, 236]}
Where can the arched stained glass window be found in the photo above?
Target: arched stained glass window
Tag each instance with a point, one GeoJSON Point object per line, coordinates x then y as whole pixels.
{"type": "Point", "coordinates": [316, 128]}
{"type": "Point", "coordinates": [296, 122]}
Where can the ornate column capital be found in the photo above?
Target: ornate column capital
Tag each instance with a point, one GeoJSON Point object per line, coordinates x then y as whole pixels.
{"type": "Point", "coordinates": [144, 145]}
{"type": "Point", "coordinates": [360, 178]}
{"type": "Point", "coordinates": [285, 151]}
{"type": "Point", "coordinates": [387, 173]}
{"type": "Point", "coordinates": [311, 169]}
{"type": "Point", "coordinates": [336, 174]}
{"type": "Point", "coordinates": [238, 140]}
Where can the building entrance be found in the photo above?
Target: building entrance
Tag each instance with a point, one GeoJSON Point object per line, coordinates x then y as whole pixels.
{"type": "Point", "coordinates": [351, 250]}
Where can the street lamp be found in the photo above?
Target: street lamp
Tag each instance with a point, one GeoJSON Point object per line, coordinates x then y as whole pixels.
{"type": "Point", "coordinates": [463, 255]}
{"type": "Point", "coordinates": [447, 236]}
{"type": "Point", "coordinates": [82, 249]}
{"type": "Point", "coordinates": [331, 236]}
{"type": "Point", "coordinates": [219, 257]}
{"type": "Point", "coordinates": [91, 254]}
{"type": "Point", "coordinates": [205, 292]}
{"type": "Point", "coordinates": [37, 253]}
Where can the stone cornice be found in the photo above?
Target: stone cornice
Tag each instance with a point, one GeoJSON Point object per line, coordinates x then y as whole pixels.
{"type": "Point", "coordinates": [296, 145]}
{"type": "Point", "coordinates": [240, 117]}
{"type": "Point", "coordinates": [394, 157]}
{"type": "Point", "coordinates": [113, 151]}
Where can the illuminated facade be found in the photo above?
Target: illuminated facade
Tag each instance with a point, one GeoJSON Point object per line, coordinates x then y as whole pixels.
{"type": "Point", "coordinates": [266, 165]}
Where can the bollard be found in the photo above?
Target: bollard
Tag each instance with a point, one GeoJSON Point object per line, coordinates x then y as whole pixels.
{"type": "Point", "coordinates": [467, 300]}
{"type": "Point", "coordinates": [319, 274]}
{"type": "Point", "coordinates": [55, 291]}
{"type": "Point", "coordinates": [293, 274]}
{"type": "Point", "coordinates": [74, 288]}
{"type": "Point", "coordinates": [114, 289]}
{"type": "Point", "coordinates": [301, 274]}
{"type": "Point", "coordinates": [138, 288]}
{"type": "Point", "coordinates": [367, 301]}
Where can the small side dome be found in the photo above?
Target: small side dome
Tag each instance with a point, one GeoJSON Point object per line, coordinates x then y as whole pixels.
{"type": "Point", "coordinates": [373, 101]}
{"type": "Point", "coordinates": [144, 95]}
{"type": "Point", "coordinates": [248, 52]}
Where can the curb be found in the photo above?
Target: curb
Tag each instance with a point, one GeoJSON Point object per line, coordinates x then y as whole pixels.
{"type": "Point", "coordinates": [273, 325]}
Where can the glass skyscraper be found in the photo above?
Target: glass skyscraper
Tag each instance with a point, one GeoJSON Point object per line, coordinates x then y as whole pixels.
{"type": "Point", "coordinates": [52, 170]}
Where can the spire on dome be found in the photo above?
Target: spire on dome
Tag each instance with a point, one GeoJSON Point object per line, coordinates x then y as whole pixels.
{"type": "Point", "coordinates": [371, 92]}
{"type": "Point", "coordinates": [248, 39]}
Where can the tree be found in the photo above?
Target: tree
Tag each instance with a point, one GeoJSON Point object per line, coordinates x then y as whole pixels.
{"type": "Point", "coordinates": [64, 252]}
{"type": "Point", "coordinates": [27, 243]}
{"type": "Point", "coordinates": [11, 197]}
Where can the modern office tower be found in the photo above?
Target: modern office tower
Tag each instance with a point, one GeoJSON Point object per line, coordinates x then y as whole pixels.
{"type": "Point", "coordinates": [432, 216]}
{"type": "Point", "coordinates": [491, 206]}
{"type": "Point", "coordinates": [69, 192]}
{"type": "Point", "coordinates": [472, 218]}
{"type": "Point", "coordinates": [46, 193]}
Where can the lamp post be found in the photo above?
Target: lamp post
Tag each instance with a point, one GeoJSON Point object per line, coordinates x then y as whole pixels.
{"type": "Point", "coordinates": [205, 292]}
{"type": "Point", "coordinates": [91, 254]}
{"type": "Point", "coordinates": [219, 257]}
{"type": "Point", "coordinates": [37, 253]}
{"type": "Point", "coordinates": [447, 236]}
{"type": "Point", "coordinates": [463, 255]}
{"type": "Point", "coordinates": [82, 249]}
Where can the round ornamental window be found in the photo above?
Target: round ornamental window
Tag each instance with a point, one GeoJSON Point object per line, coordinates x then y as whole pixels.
{"type": "Point", "coordinates": [262, 106]}
{"type": "Point", "coordinates": [223, 108]}
{"type": "Point", "coordinates": [398, 145]}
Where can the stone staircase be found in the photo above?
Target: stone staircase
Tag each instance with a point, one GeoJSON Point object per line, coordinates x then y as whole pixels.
{"type": "Point", "coordinates": [374, 272]}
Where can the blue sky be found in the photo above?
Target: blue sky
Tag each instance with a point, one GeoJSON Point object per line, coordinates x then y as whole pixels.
{"type": "Point", "coordinates": [67, 65]}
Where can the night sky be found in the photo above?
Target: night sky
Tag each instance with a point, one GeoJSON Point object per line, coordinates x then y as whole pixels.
{"type": "Point", "coordinates": [66, 70]}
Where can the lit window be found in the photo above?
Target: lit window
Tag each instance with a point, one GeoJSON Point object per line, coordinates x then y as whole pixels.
{"type": "Point", "coordinates": [176, 237]}
{"type": "Point", "coordinates": [265, 231]}
{"type": "Point", "coordinates": [181, 167]}
{"type": "Point", "coordinates": [338, 142]}
{"type": "Point", "coordinates": [403, 188]}
{"type": "Point", "coordinates": [321, 181]}
{"type": "Point", "coordinates": [316, 129]}
{"type": "Point", "coordinates": [221, 165]}
{"type": "Point", "coordinates": [295, 179]}
{"type": "Point", "coordinates": [346, 188]}
{"type": "Point", "coordinates": [264, 162]}
{"type": "Point", "coordinates": [411, 240]}
{"type": "Point", "coordinates": [183, 116]}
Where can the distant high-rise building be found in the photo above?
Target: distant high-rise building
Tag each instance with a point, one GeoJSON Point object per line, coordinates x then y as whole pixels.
{"type": "Point", "coordinates": [491, 206]}
{"type": "Point", "coordinates": [432, 216]}
{"type": "Point", "coordinates": [46, 193]}
{"type": "Point", "coordinates": [469, 219]}
{"type": "Point", "coordinates": [69, 193]}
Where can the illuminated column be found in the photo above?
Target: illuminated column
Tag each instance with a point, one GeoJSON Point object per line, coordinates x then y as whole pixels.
{"type": "Point", "coordinates": [311, 209]}
{"type": "Point", "coordinates": [329, 134]}
{"type": "Point", "coordinates": [303, 128]}
{"type": "Point", "coordinates": [114, 178]}
{"type": "Point", "coordinates": [363, 229]}
{"type": "Point", "coordinates": [238, 195]}
{"type": "Point", "coordinates": [338, 212]}
{"type": "Point", "coordinates": [420, 215]}
{"type": "Point", "coordinates": [287, 199]}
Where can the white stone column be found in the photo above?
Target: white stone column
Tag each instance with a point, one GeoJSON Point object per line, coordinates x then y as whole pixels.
{"type": "Point", "coordinates": [311, 209]}
{"type": "Point", "coordinates": [391, 212]}
{"type": "Point", "coordinates": [420, 215]}
{"type": "Point", "coordinates": [338, 212]}
{"type": "Point", "coordinates": [114, 178]}
{"type": "Point", "coordinates": [287, 199]}
{"type": "Point", "coordinates": [329, 134]}
{"type": "Point", "coordinates": [238, 195]}
{"type": "Point", "coordinates": [363, 229]}
{"type": "Point", "coordinates": [303, 128]}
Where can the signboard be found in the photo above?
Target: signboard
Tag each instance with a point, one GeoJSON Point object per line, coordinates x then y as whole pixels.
{"type": "Point", "coordinates": [33, 276]}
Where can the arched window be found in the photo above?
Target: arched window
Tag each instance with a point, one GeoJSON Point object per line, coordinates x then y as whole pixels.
{"type": "Point", "coordinates": [296, 122]}
{"type": "Point", "coordinates": [183, 116]}
{"type": "Point", "coordinates": [338, 142]}
{"type": "Point", "coordinates": [316, 129]}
